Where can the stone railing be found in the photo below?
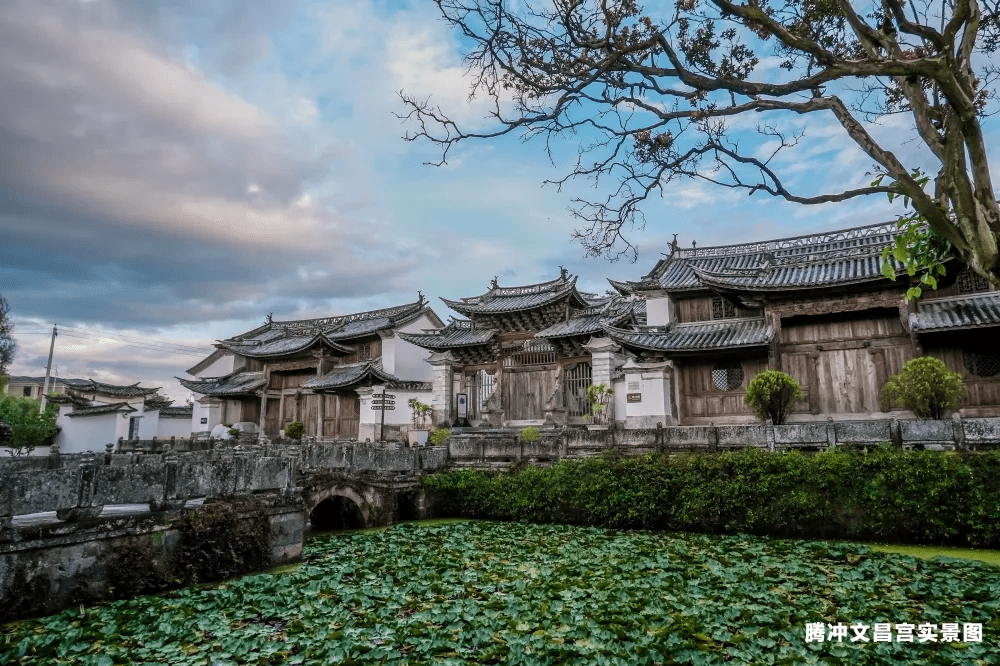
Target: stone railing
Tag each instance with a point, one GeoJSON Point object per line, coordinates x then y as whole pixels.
{"type": "Point", "coordinates": [80, 485]}
{"type": "Point", "coordinates": [499, 446]}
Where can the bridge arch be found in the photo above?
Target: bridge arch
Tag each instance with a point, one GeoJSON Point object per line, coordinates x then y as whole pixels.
{"type": "Point", "coordinates": [338, 508]}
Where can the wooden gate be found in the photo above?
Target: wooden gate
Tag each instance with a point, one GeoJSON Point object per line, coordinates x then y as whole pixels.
{"type": "Point", "coordinates": [578, 378]}
{"type": "Point", "coordinates": [525, 392]}
{"type": "Point", "coordinates": [271, 425]}
{"type": "Point", "coordinates": [341, 416]}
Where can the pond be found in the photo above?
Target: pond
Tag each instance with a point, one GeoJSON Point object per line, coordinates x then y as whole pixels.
{"type": "Point", "coordinates": [476, 592]}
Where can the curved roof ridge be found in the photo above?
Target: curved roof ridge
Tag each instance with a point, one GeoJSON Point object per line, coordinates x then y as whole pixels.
{"type": "Point", "coordinates": [875, 229]}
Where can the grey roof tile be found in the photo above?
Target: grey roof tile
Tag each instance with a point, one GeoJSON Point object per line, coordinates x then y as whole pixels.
{"type": "Point", "coordinates": [234, 384]}
{"type": "Point", "coordinates": [972, 311]}
{"type": "Point", "coordinates": [91, 386]}
{"type": "Point", "coordinates": [499, 300]}
{"type": "Point", "coordinates": [840, 257]}
{"type": "Point", "coordinates": [730, 334]}
{"type": "Point", "coordinates": [102, 409]}
{"type": "Point", "coordinates": [177, 412]}
{"type": "Point", "coordinates": [458, 333]}
{"type": "Point", "coordinates": [350, 375]}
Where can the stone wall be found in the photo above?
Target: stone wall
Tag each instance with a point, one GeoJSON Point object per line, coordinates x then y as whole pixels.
{"type": "Point", "coordinates": [47, 567]}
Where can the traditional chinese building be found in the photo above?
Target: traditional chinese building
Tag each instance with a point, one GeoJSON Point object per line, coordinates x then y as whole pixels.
{"type": "Point", "coordinates": [524, 354]}
{"type": "Point", "coordinates": [320, 372]}
{"type": "Point", "coordinates": [816, 307]}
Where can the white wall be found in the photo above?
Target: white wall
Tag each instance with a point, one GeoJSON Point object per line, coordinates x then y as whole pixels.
{"type": "Point", "coordinates": [401, 415]}
{"type": "Point", "coordinates": [409, 359]}
{"type": "Point", "coordinates": [220, 367]}
{"type": "Point", "coordinates": [90, 433]}
{"type": "Point", "coordinates": [171, 426]}
{"type": "Point", "coordinates": [659, 311]}
{"type": "Point", "coordinates": [147, 423]}
{"type": "Point", "coordinates": [618, 386]}
{"type": "Point", "coordinates": [212, 412]}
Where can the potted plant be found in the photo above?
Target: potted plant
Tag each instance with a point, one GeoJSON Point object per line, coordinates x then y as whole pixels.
{"type": "Point", "coordinates": [419, 430]}
{"type": "Point", "coordinates": [599, 396]}
{"type": "Point", "coordinates": [295, 430]}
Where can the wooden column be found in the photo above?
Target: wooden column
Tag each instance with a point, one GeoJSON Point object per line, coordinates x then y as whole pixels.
{"type": "Point", "coordinates": [263, 408]}
{"type": "Point", "coordinates": [813, 373]}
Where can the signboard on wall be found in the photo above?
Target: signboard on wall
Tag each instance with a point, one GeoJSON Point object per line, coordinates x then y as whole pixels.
{"type": "Point", "coordinates": [633, 397]}
{"type": "Point", "coordinates": [462, 405]}
{"type": "Point", "coordinates": [204, 420]}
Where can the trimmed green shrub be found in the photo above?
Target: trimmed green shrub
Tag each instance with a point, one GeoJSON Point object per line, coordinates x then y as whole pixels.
{"type": "Point", "coordinates": [885, 495]}
{"type": "Point", "coordinates": [926, 387]}
{"type": "Point", "coordinates": [439, 436]}
{"type": "Point", "coordinates": [30, 426]}
{"type": "Point", "coordinates": [531, 434]}
{"type": "Point", "coordinates": [771, 395]}
{"type": "Point", "coordinates": [295, 430]}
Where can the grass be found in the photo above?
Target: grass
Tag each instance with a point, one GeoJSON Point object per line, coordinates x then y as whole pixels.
{"type": "Point", "coordinates": [930, 552]}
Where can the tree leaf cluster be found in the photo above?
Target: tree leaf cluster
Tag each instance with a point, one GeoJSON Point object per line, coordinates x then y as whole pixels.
{"type": "Point", "coordinates": [30, 425]}
{"type": "Point", "coordinates": [503, 593]}
{"type": "Point", "coordinates": [771, 395]}
{"type": "Point", "coordinates": [926, 387]}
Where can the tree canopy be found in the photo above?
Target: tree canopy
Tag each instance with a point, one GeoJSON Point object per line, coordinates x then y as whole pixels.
{"type": "Point", "coordinates": [656, 94]}
{"type": "Point", "coordinates": [7, 344]}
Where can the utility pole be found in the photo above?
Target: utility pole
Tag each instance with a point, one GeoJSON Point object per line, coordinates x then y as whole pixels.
{"type": "Point", "coordinates": [48, 368]}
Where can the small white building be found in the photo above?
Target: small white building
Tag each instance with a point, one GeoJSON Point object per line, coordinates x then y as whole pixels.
{"type": "Point", "coordinates": [94, 414]}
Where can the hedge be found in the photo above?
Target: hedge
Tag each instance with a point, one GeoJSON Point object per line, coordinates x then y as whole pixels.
{"type": "Point", "coordinates": [885, 495]}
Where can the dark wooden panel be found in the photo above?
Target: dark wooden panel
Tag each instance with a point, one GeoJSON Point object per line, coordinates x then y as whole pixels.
{"type": "Point", "coordinates": [525, 392]}
{"type": "Point", "coordinates": [701, 397]}
{"type": "Point", "coordinates": [271, 418]}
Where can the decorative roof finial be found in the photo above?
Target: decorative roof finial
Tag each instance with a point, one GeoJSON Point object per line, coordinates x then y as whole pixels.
{"type": "Point", "coordinates": [270, 316]}
{"type": "Point", "coordinates": [420, 297]}
{"type": "Point", "coordinates": [694, 245]}
{"type": "Point", "coordinates": [493, 283]}
{"type": "Point", "coordinates": [673, 244]}
{"type": "Point", "coordinates": [563, 273]}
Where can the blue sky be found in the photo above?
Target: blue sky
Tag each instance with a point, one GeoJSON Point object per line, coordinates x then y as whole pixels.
{"type": "Point", "coordinates": [176, 171]}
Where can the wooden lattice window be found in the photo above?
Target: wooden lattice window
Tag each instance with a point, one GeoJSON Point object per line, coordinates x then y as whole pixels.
{"type": "Point", "coordinates": [727, 376]}
{"type": "Point", "coordinates": [365, 352]}
{"type": "Point", "coordinates": [981, 365]}
{"type": "Point", "coordinates": [531, 352]}
{"type": "Point", "coordinates": [722, 308]}
{"type": "Point", "coordinates": [969, 282]}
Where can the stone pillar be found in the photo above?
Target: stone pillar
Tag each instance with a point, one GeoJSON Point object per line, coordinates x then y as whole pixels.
{"type": "Point", "coordinates": [651, 393]}
{"type": "Point", "coordinates": [442, 364]}
{"type": "Point", "coordinates": [603, 354]}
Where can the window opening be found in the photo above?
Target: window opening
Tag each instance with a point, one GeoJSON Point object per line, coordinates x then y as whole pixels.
{"type": "Point", "coordinates": [365, 352]}
{"type": "Point", "coordinates": [722, 308]}
{"type": "Point", "coordinates": [727, 376]}
{"type": "Point", "coordinates": [981, 365]}
{"type": "Point", "coordinates": [969, 283]}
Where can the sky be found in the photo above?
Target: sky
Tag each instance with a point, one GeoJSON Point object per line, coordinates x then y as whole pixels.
{"type": "Point", "coordinates": [173, 172]}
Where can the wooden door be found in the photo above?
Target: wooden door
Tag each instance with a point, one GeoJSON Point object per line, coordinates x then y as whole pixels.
{"type": "Point", "coordinates": [526, 391]}
{"type": "Point", "coordinates": [271, 417]}
{"type": "Point", "coordinates": [341, 416]}
{"type": "Point", "coordinates": [842, 363]}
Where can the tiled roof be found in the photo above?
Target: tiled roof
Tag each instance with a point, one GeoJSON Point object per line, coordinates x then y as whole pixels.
{"type": "Point", "coordinates": [357, 329]}
{"type": "Point", "coordinates": [350, 375]}
{"type": "Point", "coordinates": [292, 337]}
{"type": "Point", "coordinates": [102, 409]}
{"type": "Point", "coordinates": [840, 257]}
{"type": "Point", "coordinates": [177, 412]}
{"type": "Point", "coordinates": [458, 333]}
{"type": "Point", "coordinates": [730, 334]}
{"type": "Point", "coordinates": [234, 384]}
{"type": "Point", "coordinates": [284, 346]}
{"type": "Point", "coordinates": [91, 386]}
{"type": "Point", "coordinates": [500, 300]}
{"type": "Point", "coordinates": [975, 311]}
{"type": "Point", "coordinates": [614, 312]}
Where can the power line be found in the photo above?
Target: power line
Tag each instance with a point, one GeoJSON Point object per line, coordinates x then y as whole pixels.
{"type": "Point", "coordinates": [70, 330]}
{"type": "Point", "coordinates": [125, 343]}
